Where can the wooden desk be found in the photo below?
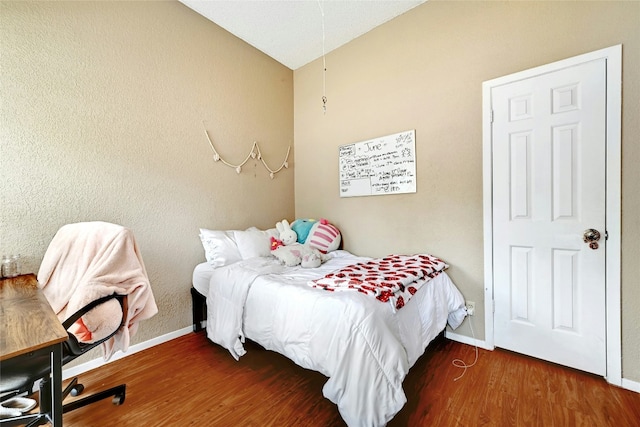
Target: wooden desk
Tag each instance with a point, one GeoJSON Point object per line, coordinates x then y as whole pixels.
{"type": "Point", "coordinates": [28, 324]}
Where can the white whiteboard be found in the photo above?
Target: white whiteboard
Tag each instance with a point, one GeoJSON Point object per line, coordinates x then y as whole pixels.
{"type": "Point", "coordinates": [385, 165]}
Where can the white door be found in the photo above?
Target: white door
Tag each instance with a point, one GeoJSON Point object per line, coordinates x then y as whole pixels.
{"type": "Point", "coordinates": [549, 177]}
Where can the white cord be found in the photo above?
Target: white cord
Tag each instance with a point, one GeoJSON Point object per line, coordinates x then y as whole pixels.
{"type": "Point", "coordinates": [324, 63]}
{"type": "Point", "coordinates": [458, 363]}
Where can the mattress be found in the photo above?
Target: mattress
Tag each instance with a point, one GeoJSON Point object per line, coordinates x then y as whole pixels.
{"type": "Point", "coordinates": [201, 277]}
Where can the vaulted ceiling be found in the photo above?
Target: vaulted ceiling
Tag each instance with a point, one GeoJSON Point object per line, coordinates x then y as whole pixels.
{"type": "Point", "coordinates": [296, 32]}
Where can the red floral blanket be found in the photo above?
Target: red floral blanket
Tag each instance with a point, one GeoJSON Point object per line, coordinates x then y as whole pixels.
{"type": "Point", "coordinates": [393, 279]}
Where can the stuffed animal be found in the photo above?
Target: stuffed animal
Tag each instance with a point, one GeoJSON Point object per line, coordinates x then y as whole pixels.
{"type": "Point", "coordinates": [286, 248]}
{"type": "Point", "coordinates": [311, 260]}
{"type": "Point", "coordinates": [302, 228]}
{"type": "Point", "coordinates": [290, 252]}
{"type": "Point", "coordinates": [288, 255]}
{"type": "Point", "coordinates": [320, 238]}
{"type": "Point", "coordinates": [287, 235]}
{"type": "Point", "coordinates": [318, 234]}
{"type": "Point", "coordinates": [296, 254]}
{"type": "Point", "coordinates": [275, 243]}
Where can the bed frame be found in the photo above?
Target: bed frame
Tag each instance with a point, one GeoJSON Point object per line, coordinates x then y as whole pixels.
{"type": "Point", "coordinates": [198, 309]}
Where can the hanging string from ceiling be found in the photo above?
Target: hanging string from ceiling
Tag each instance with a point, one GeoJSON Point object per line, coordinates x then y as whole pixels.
{"type": "Point", "coordinates": [324, 63]}
{"type": "Point", "coordinates": [253, 154]}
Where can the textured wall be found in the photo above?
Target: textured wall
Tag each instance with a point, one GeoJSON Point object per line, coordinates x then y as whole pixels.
{"type": "Point", "coordinates": [424, 70]}
{"type": "Point", "coordinates": [101, 119]}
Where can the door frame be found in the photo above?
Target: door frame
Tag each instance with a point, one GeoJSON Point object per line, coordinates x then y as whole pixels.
{"type": "Point", "coordinates": [613, 57]}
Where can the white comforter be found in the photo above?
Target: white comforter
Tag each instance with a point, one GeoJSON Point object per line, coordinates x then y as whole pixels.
{"type": "Point", "coordinates": [364, 348]}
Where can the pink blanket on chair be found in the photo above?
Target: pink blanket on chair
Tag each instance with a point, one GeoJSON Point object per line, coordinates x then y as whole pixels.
{"type": "Point", "coordinates": [86, 261]}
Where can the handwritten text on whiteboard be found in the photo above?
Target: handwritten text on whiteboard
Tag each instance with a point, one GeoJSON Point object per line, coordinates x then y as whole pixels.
{"type": "Point", "coordinates": [385, 165]}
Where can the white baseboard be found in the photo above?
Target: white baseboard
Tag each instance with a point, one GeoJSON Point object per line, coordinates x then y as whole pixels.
{"type": "Point", "coordinates": [466, 340]}
{"type": "Point", "coordinates": [96, 363]}
{"type": "Point", "coordinates": [631, 385]}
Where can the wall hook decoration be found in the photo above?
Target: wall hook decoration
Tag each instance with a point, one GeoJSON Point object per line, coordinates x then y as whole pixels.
{"type": "Point", "coordinates": [253, 154]}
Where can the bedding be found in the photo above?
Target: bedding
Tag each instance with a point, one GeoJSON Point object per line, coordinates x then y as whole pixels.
{"type": "Point", "coordinates": [362, 346]}
{"type": "Point", "coordinates": [201, 277]}
{"type": "Point", "coordinates": [393, 279]}
{"type": "Point", "coordinates": [224, 247]}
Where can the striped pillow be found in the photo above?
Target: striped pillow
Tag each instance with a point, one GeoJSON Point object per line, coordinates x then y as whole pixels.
{"type": "Point", "coordinates": [324, 236]}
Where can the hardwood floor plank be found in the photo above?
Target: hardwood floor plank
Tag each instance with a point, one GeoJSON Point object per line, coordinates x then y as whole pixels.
{"type": "Point", "coordinates": [190, 381]}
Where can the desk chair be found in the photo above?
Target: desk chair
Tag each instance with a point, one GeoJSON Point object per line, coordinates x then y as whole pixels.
{"type": "Point", "coordinates": [95, 271]}
{"type": "Point", "coordinates": [19, 374]}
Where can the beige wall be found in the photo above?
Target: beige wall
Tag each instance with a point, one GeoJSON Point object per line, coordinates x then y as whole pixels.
{"type": "Point", "coordinates": [101, 119]}
{"type": "Point", "coordinates": [103, 103]}
{"type": "Point", "coordinates": [424, 71]}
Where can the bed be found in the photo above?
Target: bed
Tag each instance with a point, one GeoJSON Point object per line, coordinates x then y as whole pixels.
{"type": "Point", "coordinates": [361, 344]}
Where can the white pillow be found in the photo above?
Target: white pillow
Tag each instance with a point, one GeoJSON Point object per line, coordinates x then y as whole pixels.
{"type": "Point", "coordinates": [253, 243]}
{"type": "Point", "coordinates": [220, 247]}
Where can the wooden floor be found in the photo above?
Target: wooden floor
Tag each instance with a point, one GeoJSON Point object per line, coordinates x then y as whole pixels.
{"type": "Point", "coordinates": [191, 382]}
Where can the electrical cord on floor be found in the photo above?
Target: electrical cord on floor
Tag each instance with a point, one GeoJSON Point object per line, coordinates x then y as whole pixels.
{"type": "Point", "coordinates": [458, 363]}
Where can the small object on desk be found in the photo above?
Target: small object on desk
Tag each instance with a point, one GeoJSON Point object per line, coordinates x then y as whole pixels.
{"type": "Point", "coordinates": [30, 327]}
{"type": "Point", "coordinates": [11, 265]}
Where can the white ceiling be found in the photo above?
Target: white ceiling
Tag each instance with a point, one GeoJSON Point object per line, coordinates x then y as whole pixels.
{"type": "Point", "coordinates": [290, 31]}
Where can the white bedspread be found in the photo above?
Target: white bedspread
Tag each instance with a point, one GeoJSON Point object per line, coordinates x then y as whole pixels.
{"type": "Point", "coordinates": [364, 348]}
